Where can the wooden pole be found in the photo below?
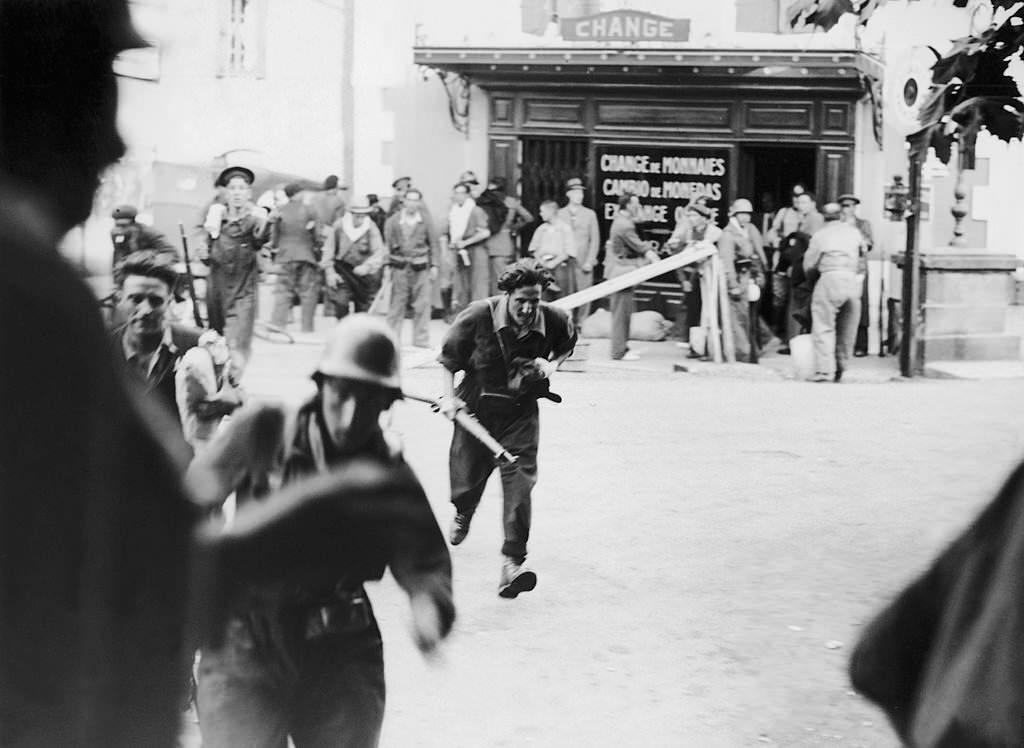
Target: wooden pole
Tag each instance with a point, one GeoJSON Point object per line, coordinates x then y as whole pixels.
{"type": "Point", "coordinates": [728, 342]}
{"type": "Point", "coordinates": [709, 306]}
{"type": "Point", "coordinates": [634, 277]}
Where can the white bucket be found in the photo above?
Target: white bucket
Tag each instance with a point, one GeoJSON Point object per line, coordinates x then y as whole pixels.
{"type": "Point", "coordinates": [801, 351]}
{"type": "Point", "coordinates": [698, 340]}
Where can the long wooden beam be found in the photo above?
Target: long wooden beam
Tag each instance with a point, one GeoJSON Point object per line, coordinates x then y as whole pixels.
{"type": "Point", "coordinates": [633, 277]}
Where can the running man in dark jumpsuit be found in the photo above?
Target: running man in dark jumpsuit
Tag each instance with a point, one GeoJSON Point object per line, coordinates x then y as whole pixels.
{"type": "Point", "coordinates": [303, 657]}
{"type": "Point", "coordinates": [508, 346]}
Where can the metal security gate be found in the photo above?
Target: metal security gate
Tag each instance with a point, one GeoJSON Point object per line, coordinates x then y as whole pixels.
{"type": "Point", "coordinates": [546, 166]}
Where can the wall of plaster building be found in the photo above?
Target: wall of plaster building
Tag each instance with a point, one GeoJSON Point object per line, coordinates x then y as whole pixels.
{"type": "Point", "coordinates": [289, 117]}
{"type": "Point", "coordinates": [907, 30]}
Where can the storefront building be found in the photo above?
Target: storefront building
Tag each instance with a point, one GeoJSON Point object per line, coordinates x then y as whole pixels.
{"type": "Point", "coordinates": [664, 103]}
{"type": "Point", "coordinates": [629, 103]}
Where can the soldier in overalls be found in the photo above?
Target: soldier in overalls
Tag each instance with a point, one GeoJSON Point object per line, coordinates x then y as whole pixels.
{"type": "Point", "coordinates": [237, 232]}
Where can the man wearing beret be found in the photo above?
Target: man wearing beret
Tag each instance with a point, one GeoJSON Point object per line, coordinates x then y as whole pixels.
{"type": "Point", "coordinates": [129, 236]}
{"type": "Point", "coordinates": [237, 232]}
{"type": "Point", "coordinates": [848, 205]}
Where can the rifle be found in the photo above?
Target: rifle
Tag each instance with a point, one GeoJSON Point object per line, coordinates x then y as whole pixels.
{"type": "Point", "coordinates": [473, 426]}
{"type": "Point", "coordinates": [189, 280]}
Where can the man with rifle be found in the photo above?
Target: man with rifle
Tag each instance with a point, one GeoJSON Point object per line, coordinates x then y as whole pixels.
{"type": "Point", "coordinates": [509, 346]}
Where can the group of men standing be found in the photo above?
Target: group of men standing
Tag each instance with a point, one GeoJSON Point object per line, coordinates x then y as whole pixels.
{"type": "Point", "coordinates": [813, 262]}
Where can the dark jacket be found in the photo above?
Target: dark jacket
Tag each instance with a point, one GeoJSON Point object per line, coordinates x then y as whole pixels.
{"type": "Point", "coordinates": [294, 233]}
{"type": "Point", "coordinates": [94, 524]}
{"type": "Point", "coordinates": [944, 659]}
{"type": "Point", "coordinates": [160, 382]}
{"type": "Point", "coordinates": [481, 343]}
{"type": "Point", "coordinates": [419, 244]}
{"type": "Point", "coordinates": [412, 547]}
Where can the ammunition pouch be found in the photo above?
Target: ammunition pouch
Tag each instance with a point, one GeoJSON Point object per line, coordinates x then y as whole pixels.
{"type": "Point", "coordinates": [348, 613]}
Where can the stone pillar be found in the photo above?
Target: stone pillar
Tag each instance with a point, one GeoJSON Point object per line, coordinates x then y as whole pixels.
{"type": "Point", "coordinates": [969, 306]}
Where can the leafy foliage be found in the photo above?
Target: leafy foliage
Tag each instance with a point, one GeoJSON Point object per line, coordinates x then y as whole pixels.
{"type": "Point", "coordinates": [971, 89]}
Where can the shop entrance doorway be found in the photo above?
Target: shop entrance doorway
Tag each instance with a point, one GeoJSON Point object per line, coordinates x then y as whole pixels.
{"type": "Point", "coordinates": [547, 164]}
{"type": "Point", "coordinates": [767, 175]}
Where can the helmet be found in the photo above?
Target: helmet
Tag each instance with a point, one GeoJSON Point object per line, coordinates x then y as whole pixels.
{"type": "Point", "coordinates": [362, 347]}
{"type": "Point", "coordinates": [741, 205]}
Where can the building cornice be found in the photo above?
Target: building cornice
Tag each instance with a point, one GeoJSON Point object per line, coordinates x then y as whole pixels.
{"type": "Point", "coordinates": [644, 66]}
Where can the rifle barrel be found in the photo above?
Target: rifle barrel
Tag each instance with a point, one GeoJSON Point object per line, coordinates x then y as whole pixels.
{"type": "Point", "coordinates": [189, 280]}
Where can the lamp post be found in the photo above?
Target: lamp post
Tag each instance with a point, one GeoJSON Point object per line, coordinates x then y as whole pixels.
{"type": "Point", "coordinates": [911, 296]}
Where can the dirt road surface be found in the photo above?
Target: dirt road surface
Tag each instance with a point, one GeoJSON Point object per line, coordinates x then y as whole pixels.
{"type": "Point", "coordinates": [708, 549]}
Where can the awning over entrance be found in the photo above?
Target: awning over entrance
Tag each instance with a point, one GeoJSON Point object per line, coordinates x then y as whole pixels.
{"type": "Point", "coordinates": [640, 68]}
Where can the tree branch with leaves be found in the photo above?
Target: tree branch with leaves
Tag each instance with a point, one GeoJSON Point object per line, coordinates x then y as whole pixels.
{"type": "Point", "coordinates": [971, 89]}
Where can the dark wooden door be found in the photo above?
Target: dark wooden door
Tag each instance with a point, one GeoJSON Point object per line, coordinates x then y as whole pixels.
{"type": "Point", "coordinates": [835, 172]}
{"type": "Point", "coordinates": [546, 166]}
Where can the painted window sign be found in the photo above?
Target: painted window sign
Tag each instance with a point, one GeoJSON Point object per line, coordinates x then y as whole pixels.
{"type": "Point", "coordinates": [665, 179]}
{"type": "Point", "coordinates": [626, 25]}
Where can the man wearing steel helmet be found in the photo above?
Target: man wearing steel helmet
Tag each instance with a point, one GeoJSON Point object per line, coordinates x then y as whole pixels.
{"type": "Point", "coordinates": [509, 346]}
{"type": "Point", "coordinates": [743, 262]}
{"type": "Point", "coordinates": [303, 657]}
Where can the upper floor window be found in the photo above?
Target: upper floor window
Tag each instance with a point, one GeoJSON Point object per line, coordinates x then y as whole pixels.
{"type": "Point", "coordinates": [242, 38]}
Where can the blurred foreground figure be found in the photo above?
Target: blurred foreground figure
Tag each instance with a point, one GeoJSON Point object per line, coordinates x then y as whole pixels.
{"type": "Point", "coordinates": [945, 660]}
{"type": "Point", "coordinates": [302, 654]}
{"type": "Point", "coordinates": [94, 526]}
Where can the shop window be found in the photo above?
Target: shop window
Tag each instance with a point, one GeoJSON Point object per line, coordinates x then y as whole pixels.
{"type": "Point", "coordinates": [242, 38]}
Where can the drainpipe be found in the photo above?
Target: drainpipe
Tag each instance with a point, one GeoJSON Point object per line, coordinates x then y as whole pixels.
{"type": "Point", "coordinates": [348, 114]}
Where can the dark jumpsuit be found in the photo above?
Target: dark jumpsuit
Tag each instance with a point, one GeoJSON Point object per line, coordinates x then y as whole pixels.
{"type": "Point", "coordinates": [304, 658]}
{"type": "Point", "coordinates": [482, 343]}
{"type": "Point", "coordinates": [234, 278]}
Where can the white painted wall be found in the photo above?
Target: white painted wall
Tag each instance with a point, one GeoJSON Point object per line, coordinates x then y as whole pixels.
{"type": "Point", "coordinates": [291, 116]}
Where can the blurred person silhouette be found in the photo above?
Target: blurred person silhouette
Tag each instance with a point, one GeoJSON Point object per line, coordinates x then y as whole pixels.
{"type": "Point", "coordinates": [94, 524]}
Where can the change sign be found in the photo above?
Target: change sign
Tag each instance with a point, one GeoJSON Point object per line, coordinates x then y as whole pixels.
{"type": "Point", "coordinates": [665, 179]}
{"type": "Point", "coordinates": [626, 25]}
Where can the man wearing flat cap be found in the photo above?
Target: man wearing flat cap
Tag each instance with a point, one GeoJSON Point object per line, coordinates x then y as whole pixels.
{"type": "Point", "coordinates": [237, 232]}
{"type": "Point", "coordinates": [293, 235]}
{"type": "Point", "coordinates": [848, 204]}
{"type": "Point", "coordinates": [130, 236]}
{"type": "Point", "coordinates": [352, 261]}
{"type": "Point", "coordinates": [587, 235]}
